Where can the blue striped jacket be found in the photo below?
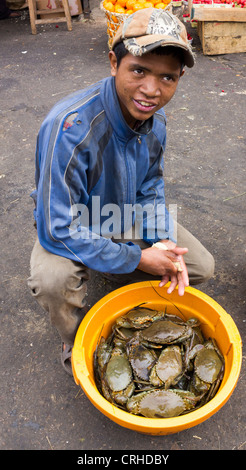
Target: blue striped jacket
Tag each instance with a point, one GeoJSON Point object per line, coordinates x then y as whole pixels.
{"type": "Point", "coordinates": [90, 162]}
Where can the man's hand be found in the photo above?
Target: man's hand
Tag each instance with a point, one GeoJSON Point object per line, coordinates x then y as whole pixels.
{"type": "Point", "coordinates": [161, 263]}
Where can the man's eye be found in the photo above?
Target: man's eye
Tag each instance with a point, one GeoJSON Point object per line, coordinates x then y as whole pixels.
{"type": "Point", "coordinates": [168, 78]}
{"type": "Point", "coordinates": [138, 71]}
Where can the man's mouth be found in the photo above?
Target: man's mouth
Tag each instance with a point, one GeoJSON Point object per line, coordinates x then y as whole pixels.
{"type": "Point", "coordinates": [144, 105]}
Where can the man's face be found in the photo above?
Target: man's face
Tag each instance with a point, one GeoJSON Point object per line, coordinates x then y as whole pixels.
{"type": "Point", "coordinates": [144, 84]}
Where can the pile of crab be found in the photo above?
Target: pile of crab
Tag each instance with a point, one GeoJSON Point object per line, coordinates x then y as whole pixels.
{"type": "Point", "coordinates": [157, 365]}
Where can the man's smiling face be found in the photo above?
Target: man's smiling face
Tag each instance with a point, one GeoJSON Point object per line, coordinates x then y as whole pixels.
{"type": "Point", "coordinates": [144, 83]}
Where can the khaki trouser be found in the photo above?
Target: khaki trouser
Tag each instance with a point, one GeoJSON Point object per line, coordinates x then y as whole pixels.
{"type": "Point", "coordinates": [59, 284]}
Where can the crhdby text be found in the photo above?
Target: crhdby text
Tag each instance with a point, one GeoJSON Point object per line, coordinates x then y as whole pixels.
{"type": "Point", "coordinates": [125, 459]}
{"type": "Point", "coordinates": [144, 459]}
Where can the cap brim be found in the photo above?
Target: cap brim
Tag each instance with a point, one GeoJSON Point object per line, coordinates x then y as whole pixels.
{"type": "Point", "coordinates": [145, 44]}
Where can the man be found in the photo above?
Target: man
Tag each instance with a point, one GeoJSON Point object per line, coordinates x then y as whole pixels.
{"type": "Point", "coordinates": [100, 200]}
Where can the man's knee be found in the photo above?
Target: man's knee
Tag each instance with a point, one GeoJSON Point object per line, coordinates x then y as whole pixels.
{"type": "Point", "coordinates": [204, 270]}
{"type": "Point", "coordinates": [208, 267]}
{"type": "Point", "coordinates": [56, 278]}
{"type": "Point", "coordinates": [44, 284]}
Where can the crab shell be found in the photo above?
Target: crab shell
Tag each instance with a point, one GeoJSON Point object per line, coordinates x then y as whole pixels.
{"type": "Point", "coordinates": [122, 396]}
{"type": "Point", "coordinates": [104, 351]}
{"type": "Point", "coordinates": [138, 317]}
{"type": "Point", "coordinates": [118, 374]}
{"type": "Point", "coordinates": [141, 358]}
{"type": "Point", "coordinates": [207, 365]}
{"type": "Point", "coordinates": [166, 332]}
{"type": "Point", "coordinates": [168, 367]}
{"type": "Point", "coordinates": [158, 404]}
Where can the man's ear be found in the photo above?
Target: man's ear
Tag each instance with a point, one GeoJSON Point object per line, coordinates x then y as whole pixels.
{"type": "Point", "coordinates": [113, 63]}
{"type": "Point", "coordinates": [182, 73]}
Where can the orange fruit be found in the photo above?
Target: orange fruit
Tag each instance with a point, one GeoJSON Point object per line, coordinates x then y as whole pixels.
{"type": "Point", "coordinates": [160, 5]}
{"type": "Point", "coordinates": [147, 5]}
{"type": "Point", "coordinates": [138, 6]}
{"type": "Point", "coordinates": [108, 6]}
{"type": "Point", "coordinates": [154, 2]}
{"type": "Point", "coordinates": [130, 4]}
{"type": "Point", "coordinates": [119, 9]}
{"type": "Point", "coordinates": [129, 12]}
{"type": "Point", "coordinates": [122, 3]}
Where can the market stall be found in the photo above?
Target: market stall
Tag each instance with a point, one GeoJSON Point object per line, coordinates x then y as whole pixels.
{"type": "Point", "coordinates": [221, 25]}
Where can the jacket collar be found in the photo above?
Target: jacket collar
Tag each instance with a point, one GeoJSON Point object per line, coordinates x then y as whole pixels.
{"type": "Point", "coordinates": [114, 114]}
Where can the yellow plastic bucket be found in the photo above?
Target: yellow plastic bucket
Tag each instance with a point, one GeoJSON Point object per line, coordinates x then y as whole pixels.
{"type": "Point", "coordinates": [215, 323]}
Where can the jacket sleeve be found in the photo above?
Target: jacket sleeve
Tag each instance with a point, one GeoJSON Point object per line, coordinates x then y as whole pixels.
{"type": "Point", "coordinates": [152, 214]}
{"type": "Point", "coordinates": [58, 224]}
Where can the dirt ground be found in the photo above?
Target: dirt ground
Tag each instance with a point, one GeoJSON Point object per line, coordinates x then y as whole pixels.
{"type": "Point", "coordinates": [41, 406]}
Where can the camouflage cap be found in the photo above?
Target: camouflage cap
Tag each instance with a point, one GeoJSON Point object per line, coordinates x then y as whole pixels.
{"type": "Point", "coordinates": [150, 28]}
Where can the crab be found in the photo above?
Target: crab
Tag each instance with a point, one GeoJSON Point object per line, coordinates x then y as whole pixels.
{"type": "Point", "coordinates": [166, 332]}
{"type": "Point", "coordinates": [101, 357]}
{"type": "Point", "coordinates": [190, 354]}
{"type": "Point", "coordinates": [124, 333]}
{"type": "Point", "coordinates": [117, 380]}
{"type": "Point", "coordinates": [208, 366]}
{"type": "Point", "coordinates": [103, 352]}
{"type": "Point", "coordinates": [161, 403]}
{"type": "Point", "coordinates": [193, 344]}
{"type": "Point", "coordinates": [157, 365]}
{"type": "Point", "coordinates": [141, 358]}
{"type": "Point", "coordinates": [168, 369]}
{"type": "Point", "coordinates": [138, 317]}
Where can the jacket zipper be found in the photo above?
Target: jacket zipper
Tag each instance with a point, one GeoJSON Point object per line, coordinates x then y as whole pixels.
{"type": "Point", "coordinates": [129, 199]}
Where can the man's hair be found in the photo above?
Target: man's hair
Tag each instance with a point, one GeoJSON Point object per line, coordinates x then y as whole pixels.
{"type": "Point", "coordinates": [120, 52]}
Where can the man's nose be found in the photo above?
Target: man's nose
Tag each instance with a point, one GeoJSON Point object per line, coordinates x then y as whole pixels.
{"type": "Point", "coordinates": [150, 87]}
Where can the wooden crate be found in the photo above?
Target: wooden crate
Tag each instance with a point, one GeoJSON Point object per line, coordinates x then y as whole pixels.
{"type": "Point", "coordinates": [221, 30]}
